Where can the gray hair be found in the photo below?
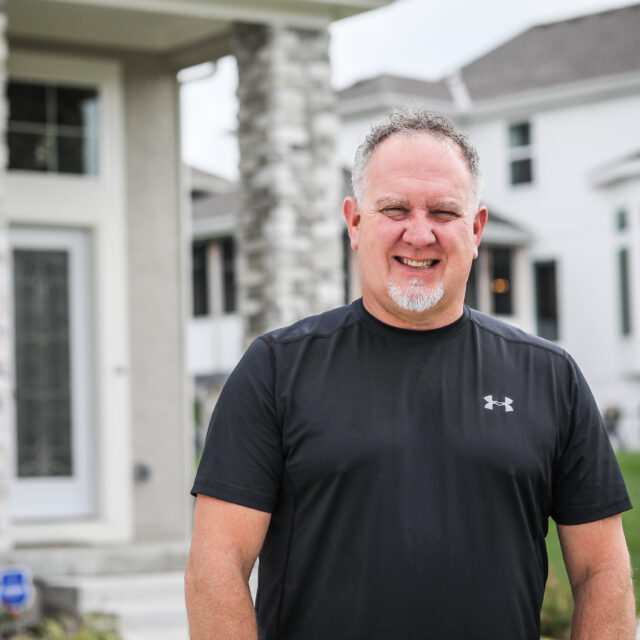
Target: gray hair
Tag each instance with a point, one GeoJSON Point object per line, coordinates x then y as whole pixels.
{"type": "Point", "coordinates": [414, 119]}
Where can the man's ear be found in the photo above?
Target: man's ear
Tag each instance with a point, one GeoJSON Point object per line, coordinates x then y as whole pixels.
{"type": "Point", "coordinates": [351, 212]}
{"type": "Point", "coordinates": [479, 223]}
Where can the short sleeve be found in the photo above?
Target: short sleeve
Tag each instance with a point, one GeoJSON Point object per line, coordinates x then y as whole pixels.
{"type": "Point", "coordinates": [242, 457]}
{"type": "Point", "coordinates": [587, 481]}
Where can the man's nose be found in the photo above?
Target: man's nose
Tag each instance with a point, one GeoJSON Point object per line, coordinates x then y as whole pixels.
{"type": "Point", "coordinates": [419, 230]}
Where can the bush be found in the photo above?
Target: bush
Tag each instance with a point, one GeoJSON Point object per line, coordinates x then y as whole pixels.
{"type": "Point", "coordinates": [89, 627]}
{"type": "Point", "coordinates": [557, 608]}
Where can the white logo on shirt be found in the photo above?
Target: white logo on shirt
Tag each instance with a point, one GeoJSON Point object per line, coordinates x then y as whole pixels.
{"type": "Point", "coordinates": [495, 403]}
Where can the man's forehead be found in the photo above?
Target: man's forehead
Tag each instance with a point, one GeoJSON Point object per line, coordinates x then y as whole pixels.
{"type": "Point", "coordinates": [394, 159]}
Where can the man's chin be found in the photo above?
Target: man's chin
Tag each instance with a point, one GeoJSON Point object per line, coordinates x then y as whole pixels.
{"type": "Point", "coordinates": [415, 296]}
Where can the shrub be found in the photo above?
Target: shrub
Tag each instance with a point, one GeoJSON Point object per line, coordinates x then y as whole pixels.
{"type": "Point", "coordinates": [557, 608]}
{"type": "Point", "coordinates": [89, 627]}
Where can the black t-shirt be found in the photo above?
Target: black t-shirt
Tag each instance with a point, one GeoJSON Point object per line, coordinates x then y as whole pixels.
{"type": "Point", "coordinates": [410, 474]}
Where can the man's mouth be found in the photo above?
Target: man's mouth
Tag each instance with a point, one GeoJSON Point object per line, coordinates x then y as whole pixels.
{"type": "Point", "coordinates": [417, 264]}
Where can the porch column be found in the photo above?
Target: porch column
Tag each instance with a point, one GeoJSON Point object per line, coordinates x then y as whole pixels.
{"type": "Point", "coordinates": [5, 345]}
{"type": "Point", "coordinates": [288, 228]}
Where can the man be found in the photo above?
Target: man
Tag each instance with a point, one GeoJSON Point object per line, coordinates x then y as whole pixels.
{"type": "Point", "coordinates": [395, 461]}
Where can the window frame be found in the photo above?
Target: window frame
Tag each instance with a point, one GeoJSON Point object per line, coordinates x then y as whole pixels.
{"type": "Point", "coordinates": [520, 153]}
{"type": "Point", "coordinates": [554, 334]}
{"type": "Point", "coordinates": [53, 132]}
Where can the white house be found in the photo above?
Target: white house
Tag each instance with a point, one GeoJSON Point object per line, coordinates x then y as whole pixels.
{"type": "Point", "coordinates": [554, 113]}
{"type": "Point", "coordinates": [96, 435]}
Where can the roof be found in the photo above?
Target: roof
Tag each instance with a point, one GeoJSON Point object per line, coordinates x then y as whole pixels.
{"type": "Point", "coordinates": [591, 46]}
{"type": "Point", "coordinates": [397, 84]}
{"type": "Point", "coordinates": [204, 183]}
{"type": "Point", "coordinates": [617, 171]}
{"type": "Point", "coordinates": [501, 231]}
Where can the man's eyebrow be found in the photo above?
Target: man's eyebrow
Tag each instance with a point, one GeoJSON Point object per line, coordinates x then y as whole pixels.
{"type": "Point", "coordinates": [390, 201]}
{"type": "Point", "coordinates": [387, 201]}
{"type": "Point", "coordinates": [446, 204]}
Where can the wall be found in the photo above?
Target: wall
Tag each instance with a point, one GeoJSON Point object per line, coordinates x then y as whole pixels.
{"type": "Point", "coordinates": [157, 244]}
{"type": "Point", "coordinates": [573, 222]}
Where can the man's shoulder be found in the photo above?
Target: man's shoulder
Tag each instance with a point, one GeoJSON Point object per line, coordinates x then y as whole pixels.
{"type": "Point", "coordinates": [322, 325]}
{"type": "Point", "coordinates": [513, 335]}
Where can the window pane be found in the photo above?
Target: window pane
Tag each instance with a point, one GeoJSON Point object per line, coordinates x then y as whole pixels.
{"type": "Point", "coordinates": [546, 300]}
{"type": "Point", "coordinates": [53, 128]}
{"type": "Point", "coordinates": [621, 220]}
{"type": "Point", "coordinates": [77, 107]}
{"type": "Point", "coordinates": [28, 151]}
{"type": "Point", "coordinates": [520, 135]}
{"type": "Point", "coordinates": [229, 275]}
{"type": "Point", "coordinates": [77, 154]}
{"type": "Point", "coordinates": [501, 281]}
{"type": "Point", "coordinates": [346, 255]}
{"type": "Point", "coordinates": [625, 292]}
{"type": "Point", "coordinates": [27, 102]}
{"type": "Point", "coordinates": [199, 279]}
{"type": "Point", "coordinates": [521, 171]}
{"type": "Point", "coordinates": [471, 295]}
{"type": "Point", "coordinates": [43, 376]}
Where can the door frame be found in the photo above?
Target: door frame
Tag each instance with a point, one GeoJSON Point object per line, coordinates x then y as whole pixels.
{"type": "Point", "coordinates": [58, 498]}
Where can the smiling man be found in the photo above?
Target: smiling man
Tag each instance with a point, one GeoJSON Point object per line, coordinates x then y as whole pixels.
{"type": "Point", "coordinates": [395, 462]}
{"type": "Point", "coordinates": [416, 225]}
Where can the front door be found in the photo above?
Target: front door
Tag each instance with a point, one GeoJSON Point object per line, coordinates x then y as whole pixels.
{"type": "Point", "coordinates": [53, 470]}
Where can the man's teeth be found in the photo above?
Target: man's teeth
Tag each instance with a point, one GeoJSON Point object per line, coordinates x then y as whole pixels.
{"type": "Point", "coordinates": [420, 264]}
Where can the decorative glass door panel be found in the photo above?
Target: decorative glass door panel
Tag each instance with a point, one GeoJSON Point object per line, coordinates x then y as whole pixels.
{"type": "Point", "coordinates": [53, 417]}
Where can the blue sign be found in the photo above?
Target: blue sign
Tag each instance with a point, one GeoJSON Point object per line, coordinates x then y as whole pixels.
{"type": "Point", "coordinates": [15, 588]}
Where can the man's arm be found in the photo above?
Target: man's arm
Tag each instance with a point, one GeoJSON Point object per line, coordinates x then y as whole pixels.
{"type": "Point", "coordinates": [226, 542]}
{"type": "Point", "coordinates": [599, 570]}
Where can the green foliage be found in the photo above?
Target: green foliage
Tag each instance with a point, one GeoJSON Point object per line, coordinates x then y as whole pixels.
{"type": "Point", "coordinates": [89, 627]}
{"type": "Point", "coordinates": [630, 465]}
{"type": "Point", "coordinates": [557, 607]}
{"type": "Point", "coordinates": [558, 593]}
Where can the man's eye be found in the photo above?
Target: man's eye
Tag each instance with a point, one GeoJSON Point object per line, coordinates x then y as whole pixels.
{"type": "Point", "coordinates": [445, 214]}
{"type": "Point", "coordinates": [395, 212]}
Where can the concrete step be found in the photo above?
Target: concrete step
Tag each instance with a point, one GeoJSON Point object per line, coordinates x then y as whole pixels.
{"type": "Point", "coordinates": [149, 606]}
{"type": "Point", "coordinates": [146, 603]}
{"type": "Point", "coordinates": [124, 559]}
{"type": "Point", "coordinates": [94, 593]}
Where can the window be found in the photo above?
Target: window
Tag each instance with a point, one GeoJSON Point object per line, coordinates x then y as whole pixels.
{"type": "Point", "coordinates": [546, 300]}
{"type": "Point", "coordinates": [199, 279]}
{"type": "Point", "coordinates": [52, 128]}
{"type": "Point", "coordinates": [625, 292]}
{"type": "Point", "coordinates": [471, 294]}
{"type": "Point", "coordinates": [213, 277]}
{"type": "Point", "coordinates": [346, 264]}
{"type": "Point", "coordinates": [228, 275]}
{"type": "Point", "coordinates": [622, 221]}
{"type": "Point", "coordinates": [501, 281]}
{"type": "Point", "coordinates": [520, 163]}
{"type": "Point", "coordinates": [43, 371]}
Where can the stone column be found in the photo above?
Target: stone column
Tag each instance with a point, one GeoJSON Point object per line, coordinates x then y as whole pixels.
{"type": "Point", "coordinates": [288, 227]}
{"type": "Point", "coordinates": [5, 345]}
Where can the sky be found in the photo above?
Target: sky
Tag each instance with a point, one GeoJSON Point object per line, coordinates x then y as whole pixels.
{"type": "Point", "coordinates": [425, 39]}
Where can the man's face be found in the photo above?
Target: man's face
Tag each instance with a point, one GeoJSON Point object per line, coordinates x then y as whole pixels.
{"type": "Point", "coordinates": [416, 231]}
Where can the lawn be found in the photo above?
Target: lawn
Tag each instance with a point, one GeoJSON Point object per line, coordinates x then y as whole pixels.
{"type": "Point", "coordinates": [558, 582]}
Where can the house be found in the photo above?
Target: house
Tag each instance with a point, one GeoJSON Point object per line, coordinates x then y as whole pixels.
{"type": "Point", "coordinates": [554, 114]}
{"type": "Point", "coordinates": [96, 437]}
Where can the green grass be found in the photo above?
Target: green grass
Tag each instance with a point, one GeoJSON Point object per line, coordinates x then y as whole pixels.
{"type": "Point", "coordinates": [630, 465]}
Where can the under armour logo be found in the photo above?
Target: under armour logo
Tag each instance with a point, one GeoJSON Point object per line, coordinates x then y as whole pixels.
{"type": "Point", "coordinates": [494, 403]}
